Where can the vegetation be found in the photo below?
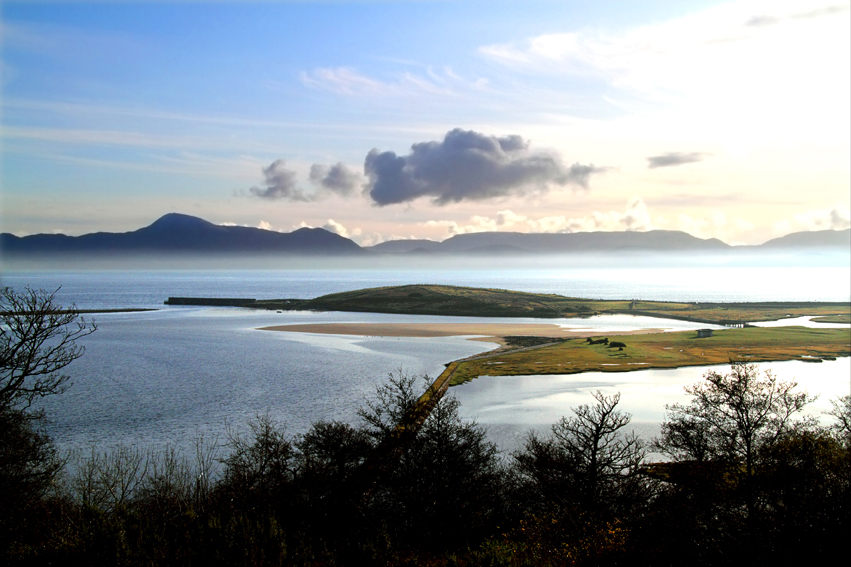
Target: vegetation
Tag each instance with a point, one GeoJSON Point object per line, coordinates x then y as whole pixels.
{"type": "Point", "coordinates": [747, 479]}
{"type": "Point", "coordinates": [37, 341]}
{"type": "Point", "coordinates": [477, 302]}
{"type": "Point", "coordinates": [742, 468]}
{"type": "Point", "coordinates": [583, 495]}
{"type": "Point", "coordinates": [660, 350]}
{"type": "Point", "coordinates": [840, 318]}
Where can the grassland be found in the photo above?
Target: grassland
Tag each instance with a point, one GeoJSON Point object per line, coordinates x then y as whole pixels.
{"type": "Point", "coordinates": [478, 302]}
{"type": "Point", "coordinates": [660, 350]}
{"type": "Point", "coordinates": [845, 318]}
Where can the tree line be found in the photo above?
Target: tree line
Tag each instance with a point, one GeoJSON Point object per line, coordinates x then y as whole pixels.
{"type": "Point", "coordinates": [744, 478]}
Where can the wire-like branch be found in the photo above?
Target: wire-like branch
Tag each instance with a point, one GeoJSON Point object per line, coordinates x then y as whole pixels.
{"type": "Point", "coordinates": [38, 338]}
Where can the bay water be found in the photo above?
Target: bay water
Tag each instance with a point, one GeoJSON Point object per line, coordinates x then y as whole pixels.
{"type": "Point", "coordinates": [162, 377]}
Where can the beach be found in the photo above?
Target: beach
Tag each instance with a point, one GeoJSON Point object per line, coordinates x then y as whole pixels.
{"type": "Point", "coordinates": [491, 332]}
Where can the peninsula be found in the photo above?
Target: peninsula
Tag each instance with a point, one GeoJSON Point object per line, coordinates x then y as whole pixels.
{"type": "Point", "coordinates": [547, 348]}
{"type": "Point", "coordinates": [426, 299]}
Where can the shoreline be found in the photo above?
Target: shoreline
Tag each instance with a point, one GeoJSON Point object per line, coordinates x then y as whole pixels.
{"type": "Point", "coordinates": [488, 332]}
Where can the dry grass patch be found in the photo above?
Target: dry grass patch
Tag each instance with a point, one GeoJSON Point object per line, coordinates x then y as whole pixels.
{"type": "Point", "coordinates": [664, 350]}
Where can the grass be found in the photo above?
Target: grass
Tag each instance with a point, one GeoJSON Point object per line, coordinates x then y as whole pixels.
{"type": "Point", "coordinates": [663, 350]}
{"type": "Point", "coordinates": [479, 302]}
{"type": "Point", "coordinates": [843, 318]}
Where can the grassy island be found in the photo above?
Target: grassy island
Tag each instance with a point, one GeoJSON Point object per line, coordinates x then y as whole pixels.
{"type": "Point", "coordinates": [479, 302]}
{"type": "Point", "coordinates": [553, 351]}
{"type": "Point", "coordinates": [659, 350]}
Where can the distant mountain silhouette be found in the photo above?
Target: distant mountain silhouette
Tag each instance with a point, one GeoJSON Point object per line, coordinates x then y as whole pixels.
{"type": "Point", "coordinates": [514, 243]}
{"type": "Point", "coordinates": [405, 246]}
{"type": "Point", "coordinates": [813, 239]}
{"type": "Point", "coordinates": [177, 233]}
{"type": "Point", "coordinates": [183, 234]}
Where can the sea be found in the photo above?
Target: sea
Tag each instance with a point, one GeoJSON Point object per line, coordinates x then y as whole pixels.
{"type": "Point", "coordinates": [173, 375]}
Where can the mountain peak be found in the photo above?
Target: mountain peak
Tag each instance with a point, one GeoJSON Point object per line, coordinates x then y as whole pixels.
{"type": "Point", "coordinates": [179, 221]}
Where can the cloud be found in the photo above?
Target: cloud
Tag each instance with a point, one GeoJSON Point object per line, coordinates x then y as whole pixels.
{"type": "Point", "coordinates": [817, 13]}
{"type": "Point", "coordinates": [672, 159]}
{"type": "Point", "coordinates": [703, 200]}
{"type": "Point", "coordinates": [356, 234]}
{"type": "Point", "coordinates": [333, 226]}
{"type": "Point", "coordinates": [280, 184]}
{"type": "Point", "coordinates": [834, 219]}
{"type": "Point", "coordinates": [468, 166]}
{"type": "Point", "coordinates": [704, 61]}
{"type": "Point", "coordinates": [336, 178]}
{"type": "Point", "coordinates": [634, 218]}
{"type": "Point", "coordinates": [349, 82]}
{"type": "Point", "coordinates": [714, 223]}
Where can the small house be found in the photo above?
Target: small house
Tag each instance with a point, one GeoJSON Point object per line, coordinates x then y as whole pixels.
{"type": "Point", "coordinates": [703, 333]}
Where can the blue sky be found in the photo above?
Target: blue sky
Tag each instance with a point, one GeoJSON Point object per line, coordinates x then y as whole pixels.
{"type": "Point", "coordinates": [406, 119]}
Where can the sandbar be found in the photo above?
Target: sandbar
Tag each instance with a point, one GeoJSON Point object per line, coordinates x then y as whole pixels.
{"type": "Point", "coordinates": [449, 330]}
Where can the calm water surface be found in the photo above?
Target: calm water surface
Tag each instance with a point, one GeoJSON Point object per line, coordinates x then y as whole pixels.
{"type": "Point", "coordinates": [158, 378]}
{"type": "Point", "coordinates": [115, 289]}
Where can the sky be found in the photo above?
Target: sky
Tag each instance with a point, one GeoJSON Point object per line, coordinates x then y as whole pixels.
{"type": "Point", "coordinates": [383, 120]}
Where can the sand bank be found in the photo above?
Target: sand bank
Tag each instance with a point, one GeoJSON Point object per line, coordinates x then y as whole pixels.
{"type": "Point", "coordinates": [449, 329]}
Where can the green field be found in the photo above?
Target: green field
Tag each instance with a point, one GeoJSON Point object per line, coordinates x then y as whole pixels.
{"type": "Point", "coordinates": [477, 302]}
{"type": "Point", "coordinates": [662, 350]}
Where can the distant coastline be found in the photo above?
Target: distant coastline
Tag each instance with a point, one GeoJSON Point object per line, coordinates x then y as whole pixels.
{"type": "Point", "coordinates": [456, 301]}
{"type": "Point", "coordinates": [175, 237]}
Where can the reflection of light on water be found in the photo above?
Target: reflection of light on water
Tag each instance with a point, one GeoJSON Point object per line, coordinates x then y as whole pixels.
{"type": "Point", "coordinates": [511, 405]}
{"type": "Point", "coordinates": [802, 322]}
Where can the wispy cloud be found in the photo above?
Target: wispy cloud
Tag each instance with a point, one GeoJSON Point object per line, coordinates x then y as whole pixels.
{"type": "Point", "coordinates": [101, 137]}
{"type": "Point", "coordinates": [349, 81]}
{"type": "Point", "coordinates": [710, 49]}
{"type": "Point", "coordinates": [75, 109]}
{"type": "Point", "coordinates": [837, 218]}
{"type": "Point", "coordinates": [672, 159]}
{"type": "Point", "coordinates": [634, 218]}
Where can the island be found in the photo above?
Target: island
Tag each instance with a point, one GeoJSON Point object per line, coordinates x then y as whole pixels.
{"type": "Point", "coordinates": [546, 348]}
{"type": "Point", "coordinates": [427, 299]}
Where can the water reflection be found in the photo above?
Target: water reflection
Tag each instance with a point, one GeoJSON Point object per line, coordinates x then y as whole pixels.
{"type": "Point", "coordinates": [512, 405]}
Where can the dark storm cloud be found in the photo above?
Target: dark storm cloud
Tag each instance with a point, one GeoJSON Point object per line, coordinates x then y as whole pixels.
{"type": "Point", "coordinates": [280, 184]}
{"type": "Point", "coordinates": [336, 178]}
{"type": "Point", "coordinates": [467, 165]}
{"type": "Point", "coordinates": [672, 159]}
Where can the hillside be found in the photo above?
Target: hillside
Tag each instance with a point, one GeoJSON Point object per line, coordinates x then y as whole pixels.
{"type": "Point", "coordinates": [477, 302]}
{"type": "Point", "coordinates": [177, 233]}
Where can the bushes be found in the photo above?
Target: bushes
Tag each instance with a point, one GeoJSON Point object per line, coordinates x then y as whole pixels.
{"type": "Point", "coordinates": [581, 495]}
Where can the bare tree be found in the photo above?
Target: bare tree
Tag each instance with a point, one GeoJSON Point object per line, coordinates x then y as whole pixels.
{"type": "Point", "coordinates": [110, 480]}
{"type": "Point", "coordinates": [587, 459]}
{"type": "Point", "coordinates": [602, 454]}
{"type": "Point", "coordinates": [842, 412]}
{"type": "Point", "coordinates": [731, 417]}
{"type": "Point", "coordinates": [260, 466]}
{"type": "Point", "coordinates": [392, 407]}
{"type": "Point", "coordinates": [38, 339]}
{"type": "Point", "coordinates": [731, 422]}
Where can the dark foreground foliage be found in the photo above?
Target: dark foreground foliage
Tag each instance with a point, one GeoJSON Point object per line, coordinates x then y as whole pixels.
{"type": "Point", "coordinates": [580, 496]}
{"type": "Point", "coordinates": [746, 482]}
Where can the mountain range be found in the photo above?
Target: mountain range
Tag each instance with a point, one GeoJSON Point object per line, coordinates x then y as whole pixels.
{"type": "Point", "coordinates": [176, 233]}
